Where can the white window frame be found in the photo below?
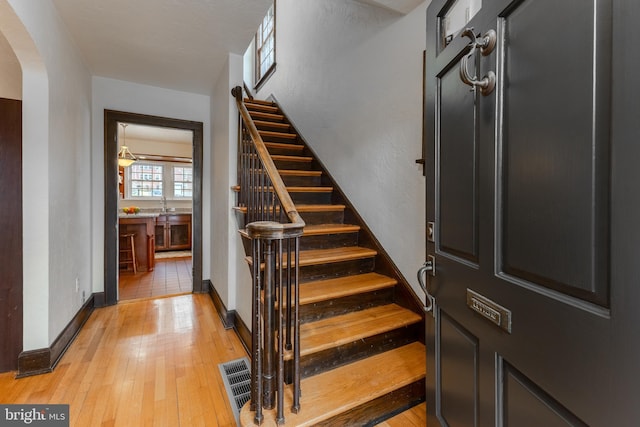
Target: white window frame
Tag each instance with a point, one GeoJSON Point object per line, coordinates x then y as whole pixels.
{"type": "Point", "coordinates": [266, 34]}
{"type": "Point", "coordinates": [168, 190]}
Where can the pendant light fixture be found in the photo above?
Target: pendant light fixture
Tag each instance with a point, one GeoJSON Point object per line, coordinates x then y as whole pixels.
{"type": "Point", "coordinates": [125, 158]}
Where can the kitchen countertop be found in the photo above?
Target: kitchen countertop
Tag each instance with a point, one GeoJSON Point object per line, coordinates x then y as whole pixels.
{"type": "Point", "coordinates": [139, 215]}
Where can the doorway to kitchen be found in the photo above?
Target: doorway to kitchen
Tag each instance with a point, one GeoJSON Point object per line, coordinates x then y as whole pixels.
{"type": "Point", "coordinates": [159, 218]}
{"type": "Point", "coordinates": [155, 184]}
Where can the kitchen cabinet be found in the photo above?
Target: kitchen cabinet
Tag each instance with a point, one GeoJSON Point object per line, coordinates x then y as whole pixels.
{"type": "Point", "coordinates": [173, 232]}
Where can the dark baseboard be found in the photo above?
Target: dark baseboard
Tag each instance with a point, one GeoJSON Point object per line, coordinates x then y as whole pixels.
{"type": "Point", "coordinates": [230, 318]}
{"type": "Point", "coordinates": [227, 316]}
{"type": "Point", "coordinates": [243, 333]}
{"type": "Point", "coordinates": [44, 360]}
{"type": "Point", "coordinates": [99, 300]}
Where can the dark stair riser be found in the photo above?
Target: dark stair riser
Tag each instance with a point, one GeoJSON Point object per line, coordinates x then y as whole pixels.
{"type": "Point", "coordinates": [311, 198]}
{"type": "Point", "coordinates": [343, 305]}
{"type": "Point", "coordinates": [302, 181]}
{"type": "Point", "coordinates": [337, 269]}
{"type": "Point", "coordinates": [280, 140]}
{"type": "Point", "coordinates": [310, 273]}
{"type": "Point", "coordinates": [321, 241]}
{"type": "Point", "coordinates": [374, 412]}
{"type": "Point", "coordinates": [310, 218]}
{"type": "Point", "coordinates": [273, 126]}
{"type": "Point", "coordinates": [290, 151]}
{"type": "Point", "coordinates": [323, 217]}
{"type": "Point", "coordinates": [293, 164]}
{"type": "Point", "coordinates": [326, 360]}
{"type": "Point", "coordinates": [329, 241]}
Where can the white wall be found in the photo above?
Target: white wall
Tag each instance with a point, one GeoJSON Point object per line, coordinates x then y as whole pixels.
{"type": "Point", "coordinates": [110, 94]}
{"type": "Point", "coordinates": [350, 77]}
{"type": "Point", "coordinates": [56, 180]}
{"type": "Point", "coordinates": [230, 274]}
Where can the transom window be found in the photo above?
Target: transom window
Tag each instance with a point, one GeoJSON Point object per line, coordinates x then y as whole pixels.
{"type": "Point", "coordinates": [266, 45]}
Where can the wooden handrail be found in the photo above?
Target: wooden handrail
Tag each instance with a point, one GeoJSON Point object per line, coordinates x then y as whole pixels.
{"type": "Point", "coordinates": [267, 200]}
{"type": "Point", "coordinates": [247, 90]}
{"type": "Point", "coordinates": [262, 229]}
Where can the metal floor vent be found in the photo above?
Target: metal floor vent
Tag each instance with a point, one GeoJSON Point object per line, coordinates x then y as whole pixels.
{"type": "Point", "coordinates": [236, 375]}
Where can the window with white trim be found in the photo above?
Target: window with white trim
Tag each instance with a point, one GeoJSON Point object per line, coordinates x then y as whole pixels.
{"type": "Point", "coordinates": [146, 180]}
{"type": "Point", "coordinates": [182, 181]}
{"type": "Point", "coordinates": [154, 180]}
{"type": "Point", "coordinates": [266, 45]}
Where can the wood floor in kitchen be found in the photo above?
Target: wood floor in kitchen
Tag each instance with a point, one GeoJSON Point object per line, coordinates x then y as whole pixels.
{"type": "Point", "coordinates": [171, 276]}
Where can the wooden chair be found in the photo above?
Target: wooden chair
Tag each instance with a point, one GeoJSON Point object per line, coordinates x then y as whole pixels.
{"type": "Point", "coordinates": [128, 251]}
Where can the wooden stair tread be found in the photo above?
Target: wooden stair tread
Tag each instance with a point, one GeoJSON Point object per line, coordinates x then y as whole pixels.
{"type": "Point", "coordinates": [258, 101]}
{"type": "Point", "coordinates": [353, 385]}
{"type": "Point", "coordinates": [258, 106]}
{"type": "Point", "coordinates": [300, 208]}
{"type": "Point", "coordinates": [347, 328]}
{"type": "Point", "coordinates": [328, 256]}
{"type": "Point", "coordinates": [284, 146]}
{"type": "Point", "coordinates": [318, 229]}
{"type": "Point", "coordinates": [266, 116]}
{"type": "Point", "coordinates": [284, 158]}
{"type": "Point", "coordinates": [296, 172]}
{"type": "Point", "coordinates": [303, 189]}
{"type": "Point", "coordinates": [327, 289]}
{"type": "Point", "coordinates": [272, 134]}
{"type": "Point", "coordinates": [266, 123]}
{"type": "Point", "coordinates": [297, 189]}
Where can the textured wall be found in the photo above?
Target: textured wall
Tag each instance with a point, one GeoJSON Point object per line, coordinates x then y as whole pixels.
{"type": "Point", "coordinates": [350, 77]}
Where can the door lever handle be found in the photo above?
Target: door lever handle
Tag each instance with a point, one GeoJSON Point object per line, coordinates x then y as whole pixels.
{"type": "Point", "coordinates": [486, 44]}
{"type": "Point", "coordinates": [430, 267]}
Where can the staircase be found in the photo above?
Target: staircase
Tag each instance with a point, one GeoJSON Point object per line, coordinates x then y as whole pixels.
{"type": "Point", "coordinates": [362, 354]}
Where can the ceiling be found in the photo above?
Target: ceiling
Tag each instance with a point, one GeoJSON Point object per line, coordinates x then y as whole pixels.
{"type": "Point", "coordinates": [174, 44]}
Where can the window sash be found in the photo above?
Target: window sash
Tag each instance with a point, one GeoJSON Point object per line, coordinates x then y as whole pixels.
{"type": "Point", "coordinates": [154, 180]}
{"type": "Point", "coordinates": [265, 44]}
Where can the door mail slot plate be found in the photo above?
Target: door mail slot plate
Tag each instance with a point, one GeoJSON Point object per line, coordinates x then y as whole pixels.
{"type": "Point", "coordinates": [490, 310]}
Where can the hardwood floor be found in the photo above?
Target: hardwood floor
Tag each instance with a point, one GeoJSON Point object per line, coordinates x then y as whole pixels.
{"type": "Point", "coordinates": [170, 276]}
{"type": "Point", "coordinates": [151, 362]}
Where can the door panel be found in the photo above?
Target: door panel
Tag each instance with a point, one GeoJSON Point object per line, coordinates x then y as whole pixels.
{"type": "Point", "coordinates": [457, 152]}
{"type": "Point", "coordinates": [458, 374]}
{"type": "Point", "coordinates": [553, 194]}
{"type": "Point", "coordinates": [525, 404]}
{"type": "Point", "coordinates": [522, 184]}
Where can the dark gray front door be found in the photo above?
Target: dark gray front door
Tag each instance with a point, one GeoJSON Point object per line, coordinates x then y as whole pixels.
{"type": "Point", "coordinates": [533, 192]}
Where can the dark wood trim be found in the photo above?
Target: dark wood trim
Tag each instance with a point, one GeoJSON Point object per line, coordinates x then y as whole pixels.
{"type": "Point", "coordinates": [158, 158]}
{"type": "Point", "coordinates": [244, 333]}
{"type": "Point", "coordinates": [44, 360]}
{"type": "Point", "coordinates": [111, 120]}
{"type": "Point", "coordinates": [98, 299]}
{"type": "Point", "coordinates": [230, 318]}
{"type": "Point", "coordinates": [226, 316]}
{"type": "Point", "coordinates": [267, 75]}
{"type": "Point", "coordinates": [11, 287]}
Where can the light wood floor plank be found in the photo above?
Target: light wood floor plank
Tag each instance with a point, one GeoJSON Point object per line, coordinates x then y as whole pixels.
{"type": "Point", "coordinates": [143, 363]}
